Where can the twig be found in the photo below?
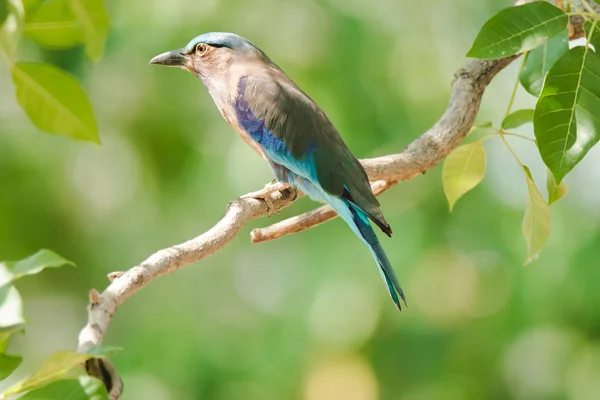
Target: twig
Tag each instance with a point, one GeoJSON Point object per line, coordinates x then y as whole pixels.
{"type": "Point", "coordinates": [309, 219]}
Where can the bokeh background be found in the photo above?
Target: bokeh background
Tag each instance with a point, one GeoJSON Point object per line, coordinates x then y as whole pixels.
{"type": "Point", "coordinates": [307, 316]}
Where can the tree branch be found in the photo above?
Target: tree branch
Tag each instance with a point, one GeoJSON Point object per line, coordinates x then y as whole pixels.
{"type": "Point", "coordinates": [309, 219]}
{"type": "Point", "coordinates": [421, 155]}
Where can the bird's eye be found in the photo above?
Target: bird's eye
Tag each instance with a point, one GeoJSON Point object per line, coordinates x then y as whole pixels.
{"type": "Point", "coordinates": [201, 48]}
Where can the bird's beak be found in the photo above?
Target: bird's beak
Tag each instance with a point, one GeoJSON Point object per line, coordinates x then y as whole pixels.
{"type": "Point", "coordinates": [175, 58]}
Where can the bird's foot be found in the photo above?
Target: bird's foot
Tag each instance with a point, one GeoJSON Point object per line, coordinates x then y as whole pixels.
{"type": "Point", "coordinates": [271, 191]}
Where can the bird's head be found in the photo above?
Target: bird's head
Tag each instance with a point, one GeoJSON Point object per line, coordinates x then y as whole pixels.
{"type": "Point", "coordinates": [210, 54]}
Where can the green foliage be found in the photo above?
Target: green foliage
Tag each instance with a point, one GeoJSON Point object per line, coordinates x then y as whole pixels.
{"type": "Point", "coordinates": [517, 118]}
{"type": "Point", "coordinates": [566, 122]}
{"type": "Point", "coordinates": [565, 119]}
{"type": "Point", "coordinates": [464, 168]}
{"type": "Point", "coordinates": [81, 388]}
{"type": "Point", "coordinates": [518, 29]}
{"type": "Point", "coordinates": [54, 24]}
{"type": "Point", "coordinates": [32, 265]}
{"type": "Point", "coordinates": [54, 101]}
{"type": "Point", "coordinates": [536, 222]}
{"type": "Point", "coordinates": [11, 305]}
{"type": "Point", "coordinates": [61, 365]}
{"type": "Point", "coordinates": [539, 61]}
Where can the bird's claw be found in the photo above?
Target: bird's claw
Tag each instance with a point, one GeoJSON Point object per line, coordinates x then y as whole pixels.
{"type": "Point", "coordinates": [265, 195]}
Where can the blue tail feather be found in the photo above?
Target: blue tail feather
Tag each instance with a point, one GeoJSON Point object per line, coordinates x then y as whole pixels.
{"type": "Point", "coordinates": [361, 226]}
{"type": "Point", "coordinates": [358, 222]}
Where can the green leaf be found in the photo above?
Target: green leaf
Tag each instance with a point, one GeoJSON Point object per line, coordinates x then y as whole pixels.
{"type": "Point", "coordinates": [555, 192]}
{"type": "Point", "coordinates": [93, 18]}
{"type": "Point", "coordinates": [463, 169]}
{"type": "Point", "coordinates": [82, 388]}
{"type": "Point", "coordinates": [3, 11]}
{"type": "Point", "coordinates": [536, 221]}
{"type": "Point", "coordinates": [11, 29]}
{"type": "Point", "coordinates": [593, 33]}
{"type": "Point", "coordinates": [8, 364]}
{"type": "Point", "coordinates": [54, 101]}
{"type": "Point", "coordinates": [517, 118]}
{"type": "Point", "coordinates": [539, 61]}
{"type": "Point", "coordinates": [54, 24]}
{"type": "Point", "coordinates": [31, 265]}
{"type": "Point", "coordinates": [566, 121]}
{"type": "Point", "coordinates": [518, 29]}
{"type": "Point", "coordinates": [57, 367]}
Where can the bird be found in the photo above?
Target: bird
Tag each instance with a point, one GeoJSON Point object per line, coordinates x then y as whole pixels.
{"type": "Point", "coordinates": [289, 131]}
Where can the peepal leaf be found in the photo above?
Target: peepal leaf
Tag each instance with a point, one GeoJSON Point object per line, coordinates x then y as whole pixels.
{"type": "Point", "coordinates": [463, 169]}
{"type": "Point", "coordinates": [517, 118]}
{"type": "Point", "coordinates": [54, 101]}
{"type": "Point", "coordinates": [54, 24]}
{"type": "Point", "coordinates": [555, 192]}
{"type": "Point", "coordinates": [566, 120]}
{"type": "Point", "coordinates": [539, 61]}
{"type": "Point", "coordinates": [536, 221]}
{"type": "Point", "coordinates": [56, 368]}
{"type": "Point", "coordinates": [518, 29]}
{"type": "Point", "coordinates": [82, 388]}
{"type": "Point", "coordinates": [11, 29]}
{"type": "Point", "coordinates": [93, 18]}
{"type": "Point", "coordinates": [31, 265]}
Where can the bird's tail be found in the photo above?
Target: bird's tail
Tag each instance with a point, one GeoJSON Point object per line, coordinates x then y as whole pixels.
{"type": "Point", "coordinates": [361, 226]}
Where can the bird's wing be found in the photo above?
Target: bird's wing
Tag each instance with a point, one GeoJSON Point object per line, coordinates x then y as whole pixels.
{"type": "Point", "coordinates": [288, 123]}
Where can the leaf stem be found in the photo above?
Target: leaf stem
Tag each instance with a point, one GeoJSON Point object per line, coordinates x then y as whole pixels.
{"type": "Point", "coordinates": [510, 104]}
{"type": "Point", "coordinates": [502, 136]}
{"type": "Point", "coordinates": [519, 136]}
{"type": "Point", "coordinates": [514, 92]}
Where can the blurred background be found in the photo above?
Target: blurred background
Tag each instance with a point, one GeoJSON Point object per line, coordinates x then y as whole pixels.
{"type": "Point", "coordinates": [306, 316]}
